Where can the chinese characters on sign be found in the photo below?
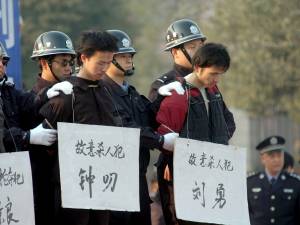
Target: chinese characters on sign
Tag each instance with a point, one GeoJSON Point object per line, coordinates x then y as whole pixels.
{"type": "Point", "coordinates": [100, 164]}
{"type": "Point", "coordinates": [210, 161]}
{"type": "Point", "coordinates": [15, 189]}
{"type": "Point", "coordinates": [8, 177]}
{"type": "Point", "coordinates": [109, 180]}
{"type": "Point", "coordinates": [210, 182]}
{"type": "Point", "coordinates": [98, 149]}
{"type": "Point", "coordinates": [198, 194]}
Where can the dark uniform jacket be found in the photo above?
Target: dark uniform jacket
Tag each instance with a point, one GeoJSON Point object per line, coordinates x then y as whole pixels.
{"type": "Point", "coordinates": [40, 84]}
{"type": "Point", "coordinates": [177, 72]}
{"type": "Point", "coordinates": [274, 204]}
{"type": "Point", "coordinates": [134, 110]}
{"type": "Point", "coordinates": [19, 108]}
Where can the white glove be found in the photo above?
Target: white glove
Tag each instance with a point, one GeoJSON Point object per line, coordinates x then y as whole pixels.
{"type": "Point", "coordinates": [66, 87]}
{"type": "Point", "coordinates": [169, 141]}
{"type": "Point", "coordinates": [42, 136]}
{"type": "Point", "coordinates": [166, 89]}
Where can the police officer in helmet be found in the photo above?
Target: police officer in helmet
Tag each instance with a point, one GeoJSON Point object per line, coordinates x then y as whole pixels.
{"type": "Point", "coordinates": [54, 52]}
{"type": "Point", "coordinates": [135, 111]}
{"type": "Point", "coordinates": [183, 38]}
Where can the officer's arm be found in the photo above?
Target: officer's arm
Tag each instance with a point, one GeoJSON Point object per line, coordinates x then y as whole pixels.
{"type": "Point", "coordinates": [15, 139]}
{"type": "Point", "coordinates": [57, 109]}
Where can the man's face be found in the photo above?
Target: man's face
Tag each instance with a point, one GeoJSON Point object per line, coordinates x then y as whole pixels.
{"type": "Point", "coordinates": [96, 65]}
{"type": "Point", "coordinates": [125, 60]}
{"type": "Point", "coordinates": [208, 76]}
{"type": "Point", "coordinates": [3, 64]}
{"type": "Point", "coordinates": [191, 48]}
{"type": "Point", "coordinates": [273, 161]}
{"type": "Point", "coordinates": [62, 66]}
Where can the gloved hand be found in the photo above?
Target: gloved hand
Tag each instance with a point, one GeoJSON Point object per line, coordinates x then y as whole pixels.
{"type": "Point", "coordinates": [42, 136]}
{"type": "Point", "coordinates": [169, 141]}
{"type": "Point", "coordinates": [166, 89]}
{"type": "Point", "coordinates": [66, 87]}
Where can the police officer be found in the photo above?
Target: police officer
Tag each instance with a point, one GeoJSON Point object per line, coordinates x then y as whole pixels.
{"type": "Point", "coordinates": [135, 111]}
{"type": "Point", "coordinates": [21, 115]}
{"type": "Point", "coordinates": [273, 194]}
{"type": "Point", "coordinates": [18, 107]}
{"type": "Point", "coordinates": [54, 52]}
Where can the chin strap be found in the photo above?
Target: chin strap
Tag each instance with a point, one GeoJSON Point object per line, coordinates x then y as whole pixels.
{"type": "Point", "coordinates": [186, 54]}
{"type": "Point", "coordinates": [50, 66]}
{"type": "Point", "coordinates": [126, 72]}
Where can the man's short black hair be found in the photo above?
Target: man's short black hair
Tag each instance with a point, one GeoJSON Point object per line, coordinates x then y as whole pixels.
{"type": "Point", "coordinates": [212, 54]}
{"type": "Point", "coordinates": [93, 41]}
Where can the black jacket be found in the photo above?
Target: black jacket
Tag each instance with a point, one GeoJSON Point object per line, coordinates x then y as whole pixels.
{"type": "Point", "coordinates": [19, 107]}
{"type": "Point", "coordinates": [177, 71]}
{"type": "Point", "coordinates": [135, 111]}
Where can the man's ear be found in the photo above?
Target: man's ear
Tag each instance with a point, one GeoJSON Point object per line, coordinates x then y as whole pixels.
{"type": "Point", "coordinates": [174, 52]}
{"type": "Point", "coordinates": [83, 58]}
{"type": "Point", "coordinates": [197, 69]}
{"type": "Point", "coordinates": [262, 158]}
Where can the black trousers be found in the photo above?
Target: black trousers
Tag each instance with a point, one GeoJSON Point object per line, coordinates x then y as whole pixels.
{"type": "Point", "coordinates": [43, 188]}
{"type": "Point", "coordinates": [83, 217]}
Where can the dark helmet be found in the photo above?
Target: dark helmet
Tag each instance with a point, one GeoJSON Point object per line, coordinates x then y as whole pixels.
{"type": "Point", "coordinates": [52, 43]}
{"type": "Point", "coordinates": [182, 31]}
{"type": "Point", "coordinates": [3, 52]}
{"type": "Point", "coordinates": [124, 42]}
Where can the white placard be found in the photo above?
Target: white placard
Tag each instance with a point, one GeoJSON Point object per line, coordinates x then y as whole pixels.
{"type": "Point", "coordinates": [210, 182]}
{"type": "Point", "coordinates": [99, 166]}
{"type": "Point", "coordinates": [16, 196]}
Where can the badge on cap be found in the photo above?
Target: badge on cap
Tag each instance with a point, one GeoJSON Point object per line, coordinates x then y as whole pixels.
{"type": "Point", "coordinates": [69, 44]}
{"type": "Point", "coordinates": [273, 141]}
{"type": "Point", "coordinates": [125, 42]}
{"type": "Point", "coordinates": [48, 44]}
{"type": "Point", "coordinates": [194, 29]}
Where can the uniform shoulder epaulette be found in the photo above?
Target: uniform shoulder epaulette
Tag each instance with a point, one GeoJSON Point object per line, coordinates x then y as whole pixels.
{"type": "Point", "coordinates": [252, 174]}
{"type": "Point", "coordinates": [297, 176]}
{"type": "Point", "coordinates": [165, 77]}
